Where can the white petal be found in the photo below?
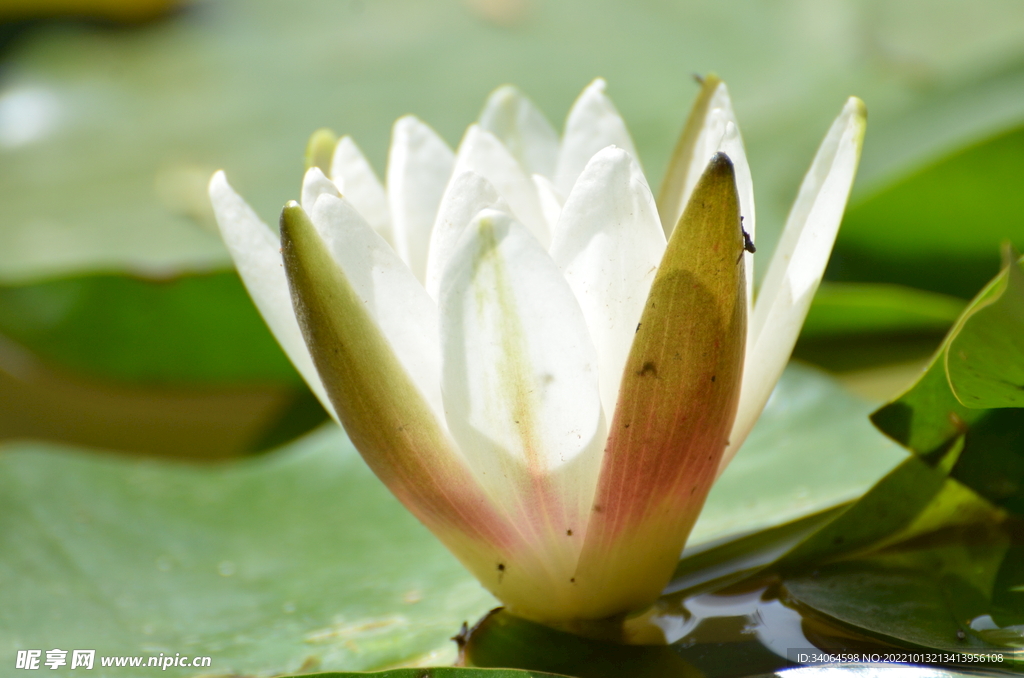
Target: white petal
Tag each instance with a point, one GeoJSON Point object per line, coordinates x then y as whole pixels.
{"type": "Point", "coordinates": [551, 200]}
{"type": "Point", "coordinates": [466, 196]}
{"type": "Point", "coordinates": [315, 184]}
{"type": "Point", "coordinates": [355, 178]}
{"type": "Point", "coordinates": [520, 378]}
{"type": "Point", "coordinates": [720, 133]}
{"type": "Point", "coordinates": [482, 152]}
{"type": "Point", "coordinates": [608, 244]}
{"type": "Point", "coordinates": [593, 124]}
{"type": "Point", "coordinates": [393, 296]}
{"type": "Point", "coordinates": [797, 266]}
{"type": "Point", "coordinates": [419, 166]}
{"type": "Point", "coordinates": [256, 251]}
{"type": "Point", "coordinates": [522, 128]}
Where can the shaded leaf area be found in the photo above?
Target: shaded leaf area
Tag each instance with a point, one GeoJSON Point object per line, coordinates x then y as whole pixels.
{"type": "Point", "coordinates": [940, 226]}
{"type": "Point", "coordinates": [985, 359]}
{"type": "Point", "coordinates": [980, 355]}
{"type": "Point", "coordinates": [183, 367]}
{"type": "Point", "coordinates": [132, 124]}
{"type": "Point", "coordinates": [855, 326]}
{"type": "Point", "coordinates": [190, 330]}
{"type": "Point", "coordinates": [199, 423]}
{"type": "Point", "coordinates": [296, 560]}
{"type": "Point", "coordinates": [300, 558]}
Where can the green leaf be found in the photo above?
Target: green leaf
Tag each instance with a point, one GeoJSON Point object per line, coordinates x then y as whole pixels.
{"type": "Point", "coordinates": [929, 419]}
{"type": "Point", "coordinates": [296, 559]}
{"type": "Point", "coordinates": [713, 566]}
{"type": "Point", "coordinates": [938, 582]}
{"type": "Point", "coordinates": [901, 602]}
{"type": "Point", "coordinates": [37, 402]}
{"type": "Point", "coordinates": [985, 358]}
{"type": "Point", "coordinates": [182, 331]}
{"type": "Point", "coordinates": [938, 227]}
{"type": "Point", "coordinates": [179, 367]}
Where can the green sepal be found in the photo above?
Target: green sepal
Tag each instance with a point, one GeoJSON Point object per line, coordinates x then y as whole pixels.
{"type": "Point", "coordinates": [320, 149]}
{"type": "Point", "coordinates": [384, 413]}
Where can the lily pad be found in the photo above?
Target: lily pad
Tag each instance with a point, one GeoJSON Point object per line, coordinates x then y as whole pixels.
{"type": "Point", "coordinates": [192, 330]}
{"type": "Point", "coordinates": [300, 558]}
{"type": "Point", "coordinates": [913, 599]}
{"type": "Point", "coordinates": [985, 358]}
{"type": "Point", "coordinates": [930, 420]}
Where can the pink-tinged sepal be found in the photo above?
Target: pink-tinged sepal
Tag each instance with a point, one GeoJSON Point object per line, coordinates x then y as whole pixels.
{"type": "Point", "coordinates": [676, 405]}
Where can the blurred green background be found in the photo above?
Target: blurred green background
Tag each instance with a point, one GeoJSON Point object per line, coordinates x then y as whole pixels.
{"type": "Point", "coordinates": [122, 325]}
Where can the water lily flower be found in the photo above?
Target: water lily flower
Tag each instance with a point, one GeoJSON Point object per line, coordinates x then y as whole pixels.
{"type": "Point", "coordinates": [547, 366]}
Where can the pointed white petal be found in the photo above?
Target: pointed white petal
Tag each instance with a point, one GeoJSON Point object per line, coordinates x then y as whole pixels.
{"type": "Point", "coordinates": [797, 266]}
{"type": "Point", "coordinates": [256, 251]}
{"type": "Point", "coordinates": [520, 380]}
{"type": "Point", "coordinates": [593, 124]}
{"type": "Point", "coordinates": [608, 244]}
{"type": "Point", "coordinates": [355, 178]}
{"type": "Point", "coordinates": [522, 128]}
{"type": "Point", "coordinates": [718, 131]}
{"type": "Point", "coordinates": [419, 166]}
{"type": "Point", "coordinates": [551, 200]}
{"type": "Point", "coordinates": [394, 297]}
{"type": "Point", "coordinates": [315, 184]}
{"type": "Point", "coordinates": [482, 152]}
{"type": "Point", "coordinates": [467, 195]}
